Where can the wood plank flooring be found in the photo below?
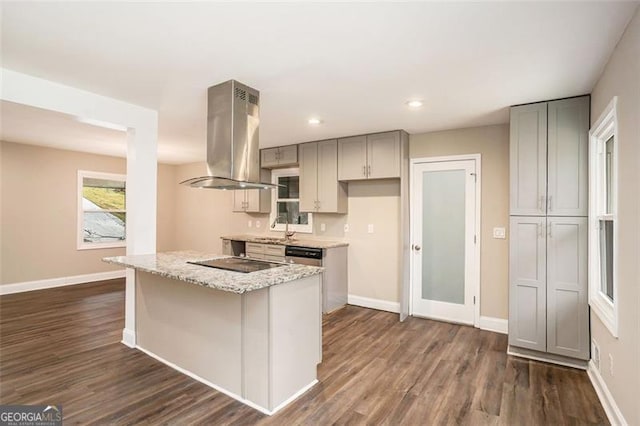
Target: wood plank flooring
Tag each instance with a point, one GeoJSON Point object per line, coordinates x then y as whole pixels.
{"type": "Point", "coordinates": [62, 346]}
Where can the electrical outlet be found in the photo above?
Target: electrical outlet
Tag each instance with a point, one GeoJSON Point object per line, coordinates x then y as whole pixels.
{"type": "Point", "coordinates": [257, 224]}
{"type": "Point", "coordinates": [499, 233]}
{"type": "Point", "coordinates": [346, 227]}
{"type": "Point", "coordinates": [611, 364]}
{"type": "Point", "coordinates": [370, 228]}
{"type": "Point", "coordinates": [323, 227]}
{"type": "Point", "coordinates": [250, 223]}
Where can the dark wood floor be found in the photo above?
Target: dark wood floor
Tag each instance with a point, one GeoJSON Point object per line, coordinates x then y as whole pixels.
{"type": "Point", "coordinates": [62, 346]}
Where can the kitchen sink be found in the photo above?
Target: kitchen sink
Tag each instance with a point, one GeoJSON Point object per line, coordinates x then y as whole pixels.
{"type": "Point", "coordinates": [272, 240]}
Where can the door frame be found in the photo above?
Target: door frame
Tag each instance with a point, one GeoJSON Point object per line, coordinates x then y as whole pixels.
{"type": "Point", "coordinates": [475, 273]}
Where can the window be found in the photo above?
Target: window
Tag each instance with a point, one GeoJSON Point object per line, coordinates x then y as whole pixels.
{"type": "Point", "coordinates": [602, 218]}
{"type": "Point", "coordinates": [285, 204]}
{"type": "Point", "coordinates": [101, 210]}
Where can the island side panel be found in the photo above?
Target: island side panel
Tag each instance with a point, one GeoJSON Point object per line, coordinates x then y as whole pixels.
{"type": "Point", "coordinates": [296, 336]}
{"type": "Point", "coordinates": [193, 327]}
{"type": "Point", "coordinates": [255, 354]}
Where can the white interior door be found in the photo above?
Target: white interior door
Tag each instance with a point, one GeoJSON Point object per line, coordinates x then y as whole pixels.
{"type": "Point", "coordinates": [444, 256]}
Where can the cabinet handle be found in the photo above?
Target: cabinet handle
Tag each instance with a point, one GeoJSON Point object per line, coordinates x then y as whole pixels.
{"type": "Point", "coordinates": [277, 154]}
{"type": "Point", "coordinates": [364, 170]}
{"type": "Point", "coordinates": [549, 202]}
{"type": "Point", "coordinates": [368, 171]}
{"type": "Point", "coordinates": [541, 205]}
{"type": "Point", "coordinates": [550, 230]}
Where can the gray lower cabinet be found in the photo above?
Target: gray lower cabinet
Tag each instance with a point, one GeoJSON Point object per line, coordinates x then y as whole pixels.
{"type": "Point", "coordinates": [527, 283]}
{"type": "Point", "coordinates": [548, 307]}
{"type": "Point", "coordinates": [567, 286]}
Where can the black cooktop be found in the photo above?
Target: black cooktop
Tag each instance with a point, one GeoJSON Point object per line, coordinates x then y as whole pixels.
{"type": "Point", "coordinates": [238, 264]}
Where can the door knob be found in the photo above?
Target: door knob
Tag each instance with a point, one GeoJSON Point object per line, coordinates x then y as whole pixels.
{"type": "Point", "coordinates": [416, 247]}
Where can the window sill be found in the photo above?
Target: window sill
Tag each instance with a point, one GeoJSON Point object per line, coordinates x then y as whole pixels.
{"type": "Point", "coordinates": [606, 312]}
{"type": "Point", "coordinates": [98, 246]}
{"type": "Point", "coordinates": [298, 229]}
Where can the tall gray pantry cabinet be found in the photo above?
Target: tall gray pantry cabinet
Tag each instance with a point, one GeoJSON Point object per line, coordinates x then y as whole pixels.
{"type": "Point", "coordinates": [548, 301]}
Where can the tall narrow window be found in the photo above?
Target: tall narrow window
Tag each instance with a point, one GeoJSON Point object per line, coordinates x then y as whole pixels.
{"type": "Point", "coordinates": [101, 210]}
{"type": "Point", "coordinates": [286, 203]}
{"type": "Point", "coordinates": [602, 218]}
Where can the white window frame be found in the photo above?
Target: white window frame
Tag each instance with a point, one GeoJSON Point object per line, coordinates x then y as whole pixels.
{"type": "Point", "coordinates": [600, 133]}
{"type": "Point", "coordinates": [81, 244]}
{"type": "Point", "coordinates": [280, 227]}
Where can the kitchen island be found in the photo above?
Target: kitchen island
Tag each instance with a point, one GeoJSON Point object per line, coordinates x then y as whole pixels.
{"type": "Point", "coordinates": [254, 336]}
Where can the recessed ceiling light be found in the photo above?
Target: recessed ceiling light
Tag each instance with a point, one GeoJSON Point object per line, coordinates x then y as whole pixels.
{"type": "Point", "coordinates": [415, 103]}
{"type": "Point", "coordinates": [314, 121]}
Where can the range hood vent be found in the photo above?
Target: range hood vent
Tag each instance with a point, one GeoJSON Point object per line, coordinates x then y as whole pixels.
{"type": "Point", "coordinates": [233, 155]}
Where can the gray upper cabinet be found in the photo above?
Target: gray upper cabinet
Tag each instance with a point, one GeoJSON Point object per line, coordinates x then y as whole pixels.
{"type": "Point", "coordinates": [527, 283]}
{"type": "Point", "coordinates": [320, 191]}
{"type": "Point", "coordinates": [375, 156]}
{"type": "Point", "coordinates": [283, 156]}
{"type": "Point", "coordinates": [528, 158]}
{"type": "Point", "coordinates": [567, 304]}
{"type": "Point", "coordinates": [568, 134]}
{"type": "Point", "coordinates": [253, 200]}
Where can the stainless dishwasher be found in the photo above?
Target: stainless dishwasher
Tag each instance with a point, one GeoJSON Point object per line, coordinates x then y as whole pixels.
{"type": "Point", "coordinates": [303, 255]}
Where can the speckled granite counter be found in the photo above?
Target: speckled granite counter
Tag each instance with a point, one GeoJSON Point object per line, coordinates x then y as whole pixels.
{"type": "Point", "coordinates": [265, 239]}
{"type": "Point", "coordinates": [174, 265]}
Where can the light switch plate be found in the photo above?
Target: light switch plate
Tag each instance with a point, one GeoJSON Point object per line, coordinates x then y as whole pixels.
{"type": "Point", "coordinates": [499, 233]}
{"type": "Point", "coordinates": [250, 224]}
{"type": "Point", "coordinates": [370, 228]}
{"type": "Point", "coordinates": [257, 224]}
{"type": "Point", "coordinates": [346, 227]}
{"type": "Point", "coordinates": [323, 227]}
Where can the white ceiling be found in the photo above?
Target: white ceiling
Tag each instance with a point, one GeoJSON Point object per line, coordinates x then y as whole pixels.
{"type": "Point", "coordinates": [354, 65]}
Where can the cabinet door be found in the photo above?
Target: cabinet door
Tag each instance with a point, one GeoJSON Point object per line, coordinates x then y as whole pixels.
{"type": "Point", "coordinates": [239, 200]}
{"type": "Point", "coordinates": [568, 133]}
{"type": "Point", "coordinates": [252, 200]}
{"type": "Point", "coordinates": [567, 304]}
{"type": "Point", "coordinates": [308, 158]}
{"type": "Point", "coordinates": [528, 158]}
{"type": "Point", "coordinates": [352, 158]}
{"type": "Point", "coordinates": [226, 248]}
{"type": "Point", "coordinates": [527, 283]}
{"type": "Point", "coordinates": [288, 155]}
{"type": "Point", "coordinates": [328, 176]}
{"type": "Point", "coordinates": [269, 157]}
{"type": "Point", "coordinates": [383, 155]}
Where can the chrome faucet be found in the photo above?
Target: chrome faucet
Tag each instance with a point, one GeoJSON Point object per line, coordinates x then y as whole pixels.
{"type": "Point", "coordinates": [287, 234]}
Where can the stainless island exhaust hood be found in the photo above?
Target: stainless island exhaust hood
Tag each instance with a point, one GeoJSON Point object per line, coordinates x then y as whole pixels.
{"type": "Point", "coordinates": [233, 155]}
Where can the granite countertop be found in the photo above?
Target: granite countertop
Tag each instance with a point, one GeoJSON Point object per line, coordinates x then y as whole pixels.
{"type": "Point", "coordinates": [265, 239]}
{"type": "Point", "coordinates": [174, 265]}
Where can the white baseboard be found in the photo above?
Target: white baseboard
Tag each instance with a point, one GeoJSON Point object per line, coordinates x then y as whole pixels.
{"type": "Point", "coordinates": [606, 399]}
{"type": "Point", "coordinates": [226, 392]}
{"type": "Point", "coordinates": [366, 302]}
{"type": "Point", "coordinates": [497, 325]}
{"type": "Point", "coordinates": [59, 282]}
{"type": "Point", "coordinates": [129, 338]}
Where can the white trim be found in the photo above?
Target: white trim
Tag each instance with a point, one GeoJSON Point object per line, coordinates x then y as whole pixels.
{"type": "Point", "coordinates": [379, 304]}
{"type": "Point", "coordinates": [223, 390]}
{"type": "Point", "coordinates": [602, 130]}
{"type": "Point", "coordinates": [59, 282]}
{"type": "Point", "coordinates": [80, 243]}
{"type": "Point", "coordinates": [477, 266]}
{"type": "Point", "coordinates": [606, 399]}
{"type": "Point", "coordinates": [546, 357]}
{"type": "Point", "coordinates": [497, 325]}
{"type": "Point", "coordinates": [280, 227]}
{"type": "Point", "coordinates": [128, 337]}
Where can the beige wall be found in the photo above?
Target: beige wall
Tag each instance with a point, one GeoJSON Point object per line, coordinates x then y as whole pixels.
{"type": "Point", "coordinates": [621, 77]}
{"type": "Point", "coordinates": [492, 142]}
{"type": "Point", "coordinates": [38, 193]}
